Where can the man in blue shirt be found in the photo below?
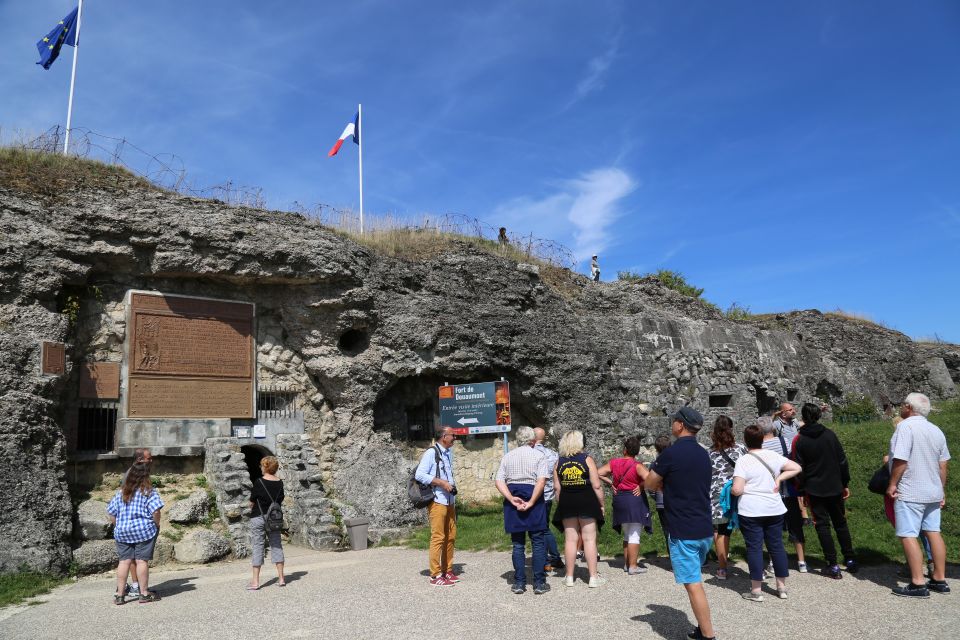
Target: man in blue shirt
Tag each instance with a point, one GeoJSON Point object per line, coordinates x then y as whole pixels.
{"type": "Point", "coordinates": [682, 472]}
{"type": "Point", "coordinates": [442, 512]}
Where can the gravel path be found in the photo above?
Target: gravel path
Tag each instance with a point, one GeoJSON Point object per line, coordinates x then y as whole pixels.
{"type": "Point", "coordinates": [381, 593]}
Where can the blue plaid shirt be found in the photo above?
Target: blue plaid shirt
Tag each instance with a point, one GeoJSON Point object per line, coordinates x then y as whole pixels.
{"type": "Point", "coordinates": [135, 518]}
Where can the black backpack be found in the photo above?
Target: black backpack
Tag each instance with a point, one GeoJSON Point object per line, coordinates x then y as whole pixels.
{"type": "Point", "coordinates": [273, 517]}
{"type": "Point", "coordinates": [421, 495]}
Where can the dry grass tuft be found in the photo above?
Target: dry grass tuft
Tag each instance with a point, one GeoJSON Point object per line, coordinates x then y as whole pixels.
{"type": "Point", "coordinates": [52, 175]}
{"type": "Point", "coordinates": [855, 316]}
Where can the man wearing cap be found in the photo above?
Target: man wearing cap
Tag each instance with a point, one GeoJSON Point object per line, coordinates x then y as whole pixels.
{"type": "Point", "coordinates": [594, 269]}
{"type": "Point", "coordinates": [682, 472]}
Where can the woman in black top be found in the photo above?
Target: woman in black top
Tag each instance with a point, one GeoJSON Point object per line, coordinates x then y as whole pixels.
{"type": "Point", "coordinates": [580, 509]}
{"type": "Point", "coordinates": [265, 490]}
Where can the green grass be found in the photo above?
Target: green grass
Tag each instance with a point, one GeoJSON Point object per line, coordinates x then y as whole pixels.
{"type": "Point", "coordinates": [480, 527]}
{"type": "Point", "coordinates": [17, 587]}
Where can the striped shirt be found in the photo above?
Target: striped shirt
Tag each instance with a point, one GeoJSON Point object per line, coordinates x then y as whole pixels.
{"type": "Point", "coordinates": [524, 465]}
{"type": "Point", "coordinates": [135, 518]}
{"type": "Point", "coordinates": [548, 493]}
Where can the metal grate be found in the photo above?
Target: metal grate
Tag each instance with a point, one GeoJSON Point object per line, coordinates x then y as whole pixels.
{"type": "Point", "coordinates": [96, 425]}
{"type": "Point", "coordinates": [278, 402]}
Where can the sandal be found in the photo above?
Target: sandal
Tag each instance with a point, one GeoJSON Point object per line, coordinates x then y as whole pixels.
{"type": "Point", "coordinates": [253, 587]}
{"type": "Point", "coordinates": [119, 599]}
{"type": "Point", "coordinates": [149, 596]}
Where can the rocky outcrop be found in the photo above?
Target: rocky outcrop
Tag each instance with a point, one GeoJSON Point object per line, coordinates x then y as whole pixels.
{"type": "Point", "coordinates": [95, 556]}
{"type": "Point", "coordinates": [93, 522]}
{"type": "Point", "coordinates": [366, 339]}
{"type": "Point", "coordinates": [201, 546]}
{"type": "Point", "coordinates": [192, 509]}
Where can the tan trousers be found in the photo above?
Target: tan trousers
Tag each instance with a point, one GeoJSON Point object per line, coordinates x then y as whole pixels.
{"type": "Point", "coordinates": [443, 532]}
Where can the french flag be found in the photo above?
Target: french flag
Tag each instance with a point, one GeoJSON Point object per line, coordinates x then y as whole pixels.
{"type": "Point", "coordinates": [351, 130]}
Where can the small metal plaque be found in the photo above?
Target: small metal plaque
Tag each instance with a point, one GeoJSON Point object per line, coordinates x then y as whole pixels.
{"type": "Point", "coordinates": [53, 357]}
{"type": "Point", "coordinates": [155, 397]}
{"type": "Point", "coordinates": [100, 380]}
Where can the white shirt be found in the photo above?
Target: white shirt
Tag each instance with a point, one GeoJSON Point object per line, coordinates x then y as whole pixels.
{"type": "Point", "coordinates": [921, 444]}
{"type": "Point", "coordinates": [759, 499]}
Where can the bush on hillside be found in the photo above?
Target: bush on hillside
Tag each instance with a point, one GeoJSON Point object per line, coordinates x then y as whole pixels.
{"type": "Point", "coordinates": [855, 408]}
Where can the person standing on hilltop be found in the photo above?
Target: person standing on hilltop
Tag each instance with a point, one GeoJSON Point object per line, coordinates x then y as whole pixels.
{"type": "Point", "coordinates": [594, 269]}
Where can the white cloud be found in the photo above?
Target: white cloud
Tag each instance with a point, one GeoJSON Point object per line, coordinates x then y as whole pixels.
{"type": "Point", "coordinates": [582, 212]}
{"type": "Point", "coordinates": [596, 208]}
{"type": "Point", "coordinates": [595, 77]}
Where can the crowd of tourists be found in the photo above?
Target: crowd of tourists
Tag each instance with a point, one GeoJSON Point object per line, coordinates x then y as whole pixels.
{"type": "Point", "coordinates": [762, 487]}
{"type": "Point", "coordinates": [702, 495]}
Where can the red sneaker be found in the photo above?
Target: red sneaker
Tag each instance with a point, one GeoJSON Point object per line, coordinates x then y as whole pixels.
{"type": "Point", "coordinates": [440, 581]}
{"type": "Point", "coordinates": [450, 577]}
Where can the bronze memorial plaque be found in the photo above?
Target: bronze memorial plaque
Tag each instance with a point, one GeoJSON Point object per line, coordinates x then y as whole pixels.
{"type": "Point", "coordinates": [189, 398]}
{"type": "Point", "coordinates": [53, 358]}
{"type": "Point", "coordinates": [190, 357]}
{"type": "Point", "coordinates": [100, 380]}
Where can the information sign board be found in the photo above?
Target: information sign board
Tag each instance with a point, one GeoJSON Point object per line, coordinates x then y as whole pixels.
{"type": "Point", "coordinates": [479, 407]}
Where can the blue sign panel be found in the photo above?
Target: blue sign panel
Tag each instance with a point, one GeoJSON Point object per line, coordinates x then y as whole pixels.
{"type": "Point", "coordinates": [479, 407]}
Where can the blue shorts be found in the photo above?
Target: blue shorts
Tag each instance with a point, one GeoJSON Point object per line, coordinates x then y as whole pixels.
{"type": "Point", "coordinates": [914, 517]}
{"type": "Point", "coordinates": [687, 556]}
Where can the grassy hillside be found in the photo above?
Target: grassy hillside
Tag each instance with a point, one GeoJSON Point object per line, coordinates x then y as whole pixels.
{"type": "Point", "coordinates": [481, 526]}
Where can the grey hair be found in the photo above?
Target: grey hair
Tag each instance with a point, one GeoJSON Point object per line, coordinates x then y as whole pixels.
{"type": "Point", "coordinates": [525, 436]}
{"type": "Point", "coordinates": [766, 425]}
{"type": "Point", "coordinates": [919, 403]}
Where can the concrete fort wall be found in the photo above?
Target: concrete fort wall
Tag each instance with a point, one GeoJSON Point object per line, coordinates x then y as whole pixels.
{"type": "Point", "coordinates": [359, 342]}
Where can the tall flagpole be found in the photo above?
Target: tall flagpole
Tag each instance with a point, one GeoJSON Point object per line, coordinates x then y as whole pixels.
{"type": "Point", "coordinates": [361, 135]}
{"type": "Point", "coordinates": [73, 77]}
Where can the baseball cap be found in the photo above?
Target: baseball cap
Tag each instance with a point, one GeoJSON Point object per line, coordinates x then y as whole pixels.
{"type": "Point", "coordinates": [690, 417]}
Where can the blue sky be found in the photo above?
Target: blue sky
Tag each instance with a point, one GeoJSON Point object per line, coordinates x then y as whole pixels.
{"type": "Point", "coordinates": [781, 155]}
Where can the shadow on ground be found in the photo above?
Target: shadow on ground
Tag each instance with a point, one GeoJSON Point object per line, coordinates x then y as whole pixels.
{"type": "Point", "coordinates": [664, 621]}
{"type": "Point", "coordinates": [173, 587]}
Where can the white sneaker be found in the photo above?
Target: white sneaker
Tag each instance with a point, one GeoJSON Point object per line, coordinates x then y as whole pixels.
{"type": "Point", "coordinates": [595, 582]}
{"type": "Point", "coordinates": [568, 581]}
{"type": "Point", "coordinates": [802, 567]}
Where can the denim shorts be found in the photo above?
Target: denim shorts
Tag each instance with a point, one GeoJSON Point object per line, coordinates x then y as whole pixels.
{"type": "Point", "coordinates": [914, 517]}
{"type": "Point", "coordinates": [142, 550]}
{"type": "Point", "coordinates": [687, 557]}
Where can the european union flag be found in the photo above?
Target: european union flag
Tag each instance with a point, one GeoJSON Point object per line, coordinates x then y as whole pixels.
{"type": "Point", "coordinates": [63, 33]}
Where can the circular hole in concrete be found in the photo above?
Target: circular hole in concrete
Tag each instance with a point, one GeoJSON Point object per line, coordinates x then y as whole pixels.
{"type": "Point", "coordinates": [354, 341]}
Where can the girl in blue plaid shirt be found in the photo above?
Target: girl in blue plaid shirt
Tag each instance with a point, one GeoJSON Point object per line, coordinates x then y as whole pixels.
{"type": "Point", "coordinates": [135, 513]}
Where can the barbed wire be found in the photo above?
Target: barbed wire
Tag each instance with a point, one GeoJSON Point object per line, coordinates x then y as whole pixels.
{"type": "Point", "coordinates": [167, 170]}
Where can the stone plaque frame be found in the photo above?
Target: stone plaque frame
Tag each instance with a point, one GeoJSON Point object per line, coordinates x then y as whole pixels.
{"type": "Point", "coordinates": [53, 358]}
{"type": "Point", "coordinates": [189, 357]}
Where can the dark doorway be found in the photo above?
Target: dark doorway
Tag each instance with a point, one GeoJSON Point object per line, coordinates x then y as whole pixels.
{"type": "Point", "coordinates": [721, 399]}
{"type": "Point", "coordinates": [253, 454]}
{"type": "Point", "coordinates": [765, 403]}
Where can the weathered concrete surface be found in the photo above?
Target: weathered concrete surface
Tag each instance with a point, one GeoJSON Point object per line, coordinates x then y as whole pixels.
{"type": "Point", "coordinates": [201, 545]}
{"type": "Point", "coordinates": [366, 339]}
{"type": "Point", "coordinates": [367, 594]}
{"type": "Point", "coordinates": [191, 509]}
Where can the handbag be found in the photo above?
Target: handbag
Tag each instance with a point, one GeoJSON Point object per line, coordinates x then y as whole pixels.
{"type": "Point", "coordinates": [880, 480]}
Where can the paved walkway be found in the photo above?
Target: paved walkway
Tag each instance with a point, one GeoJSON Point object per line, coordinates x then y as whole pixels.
{"type": "Point", "coordinates": [381, 593]}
